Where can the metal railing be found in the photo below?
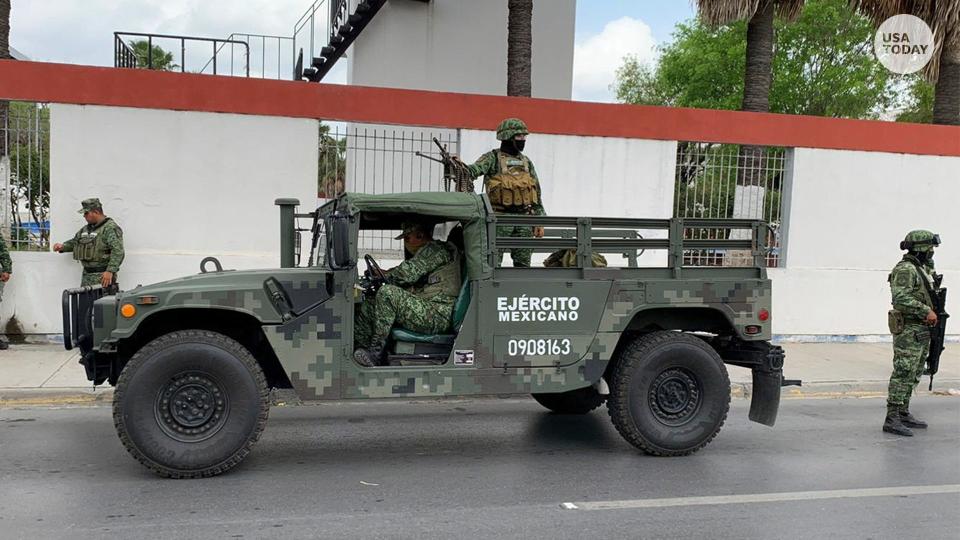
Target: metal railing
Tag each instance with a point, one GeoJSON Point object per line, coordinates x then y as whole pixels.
{"type": "Point", "coordinates": [377, 159]}
{"type": "Point", "coordinates": [729, 181]}
{"type": "Point", "coordinates": [123, 55]}
{"type": "Point", "coordinates": [589, 235]}
{"type": "Point", "coordinates": [25, 175]}
{"type": "Point", "coordinates": [310, 25]}
{"type": "Point", "coordinates": [281, 45]}
{"type": "Point", "coordinates": [123, 52]}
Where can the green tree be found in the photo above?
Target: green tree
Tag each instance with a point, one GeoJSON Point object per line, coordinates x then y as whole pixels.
{"type": "Point", "coordinates": [828, 47]}
{"type": "Point", "coordinates": [943, 70]}
{"type": "Point", "coordinates": [29, 156]}
{"type": "Point", "coordinates": [919, 103]}
{"type": "Point", "coordinates": [332, 163]}
{"type": "Point", "coordinates": [160, 59]}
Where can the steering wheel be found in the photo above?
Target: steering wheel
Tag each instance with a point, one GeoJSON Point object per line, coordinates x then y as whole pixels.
{"type": "Point", "coordinates": [374, 269]}
{"type": "Point", "coordinates": [374, 275]}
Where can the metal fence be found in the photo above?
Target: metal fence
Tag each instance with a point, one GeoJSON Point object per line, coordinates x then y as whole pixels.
{"type": "Point", "coordinates": [726, 181]}
{"type": "Point", "coordinates": [378, 159]}
{"type": "Point", "coordinates": [25, 174]}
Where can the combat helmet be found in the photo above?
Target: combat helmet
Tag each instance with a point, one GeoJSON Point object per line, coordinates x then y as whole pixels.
{"type": "Point", "coordinates": [510, 127]}
{"type": "Point", "coordinates": [920, 240]}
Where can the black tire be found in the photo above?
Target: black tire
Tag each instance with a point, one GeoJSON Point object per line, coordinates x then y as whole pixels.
{"type": "Point", "coordinates": [669, 393]}
{"type": "Point", "coordinates": [191, 404]}
{"type": "Point", "coordinates": [580, 401]}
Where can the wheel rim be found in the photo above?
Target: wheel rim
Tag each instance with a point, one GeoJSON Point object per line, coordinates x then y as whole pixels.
{"type": "Point", "coordinates": [191, 407]}
{"type": "Point", "coordinates": [675, 396]}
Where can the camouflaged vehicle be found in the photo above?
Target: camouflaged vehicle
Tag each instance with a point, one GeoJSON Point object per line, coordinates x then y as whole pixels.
{"type": "Point", "coordinates": [194, 359]}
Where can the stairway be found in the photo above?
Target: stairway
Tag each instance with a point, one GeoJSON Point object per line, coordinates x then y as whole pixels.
{"type": "Point", "coordinates": [344, 30]}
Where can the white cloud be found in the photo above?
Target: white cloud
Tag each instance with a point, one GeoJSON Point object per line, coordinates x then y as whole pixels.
{"type": "Point", "coordinates": [596, 58]}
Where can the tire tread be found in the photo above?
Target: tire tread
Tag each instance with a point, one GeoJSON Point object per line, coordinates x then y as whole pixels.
{"type": "Point", "coordinates": [630, 360]}
{"type": "Point", "coordinates": [175, 338]}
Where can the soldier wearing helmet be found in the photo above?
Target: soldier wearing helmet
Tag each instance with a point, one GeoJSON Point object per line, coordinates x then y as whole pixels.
{"type": "Point", "coordinates": [911, 283]}
{"type": "Point", "coordinates": [98, 246]}
{"type": "Point", "coordinates": [511, 183]}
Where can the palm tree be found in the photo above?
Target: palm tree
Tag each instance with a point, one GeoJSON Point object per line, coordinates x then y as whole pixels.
{"type": "Point", "coordinates": [519, 32]}
{"type": "Point", "coordinates": [756, 88]}
{"type": "Point", "coordinates": [152, 57]}
{"type": "Point", "coordinates": [944, 67]}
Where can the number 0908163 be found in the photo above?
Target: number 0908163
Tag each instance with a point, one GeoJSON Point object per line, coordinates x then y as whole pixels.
{"type": "Point", "coordinates": [538, 347]}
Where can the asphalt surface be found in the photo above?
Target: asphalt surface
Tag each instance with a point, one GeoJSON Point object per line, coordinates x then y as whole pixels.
{"type": "Point", "coordinates": [494, 469]}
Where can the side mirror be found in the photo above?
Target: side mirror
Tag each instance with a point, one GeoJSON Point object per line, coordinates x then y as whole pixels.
{"type": "Point", "coordinates": [338, 234]}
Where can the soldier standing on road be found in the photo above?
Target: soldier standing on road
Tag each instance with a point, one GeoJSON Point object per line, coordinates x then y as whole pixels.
{"type": "Point", "coordinates": [511, 183]}
{"type": "Point", "coordinates": [419, 294]}
{"type": "Point", "coordinates": [6, 268]}
{"type": "Point", "coordinates": [910, 321]}
{"type": "Point", "coordinates": [98, 246]}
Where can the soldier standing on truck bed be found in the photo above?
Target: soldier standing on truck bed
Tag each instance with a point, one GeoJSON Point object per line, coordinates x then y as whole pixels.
{"type": "Point", "coordinates": [511, 183]}
{"type": "Point", "coordinates": [910, 320]}
{"type": "Point", "coordinates": [98, 246]}
{"type": "Point", "coordinates": [418, 295]}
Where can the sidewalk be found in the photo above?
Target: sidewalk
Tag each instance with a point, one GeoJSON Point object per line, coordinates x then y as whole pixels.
{"type": "Point", "coordinates": [49, 375]}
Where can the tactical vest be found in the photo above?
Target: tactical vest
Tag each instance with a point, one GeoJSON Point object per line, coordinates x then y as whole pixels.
{"type": "Point", "coordinates": [90, 248]}
{"type": "Point", "coordinates": [513, 189]}
{"type": "Point", "coordinates": [445, 281]}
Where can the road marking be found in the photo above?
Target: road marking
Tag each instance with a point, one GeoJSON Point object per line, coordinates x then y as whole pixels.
{"type": "Point", "coordinates": [764, 497]}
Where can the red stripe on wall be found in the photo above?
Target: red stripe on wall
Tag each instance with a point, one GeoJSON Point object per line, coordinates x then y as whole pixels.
{"type": "Point", "coordinates": [64, 83]}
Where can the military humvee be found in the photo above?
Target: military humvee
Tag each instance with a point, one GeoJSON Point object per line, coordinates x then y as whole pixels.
{"type": "Point", "coordinates": [194, 359]}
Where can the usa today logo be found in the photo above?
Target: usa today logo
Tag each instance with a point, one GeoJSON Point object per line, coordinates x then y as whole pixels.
{"type": "Point", "coordinates": [903, 44]}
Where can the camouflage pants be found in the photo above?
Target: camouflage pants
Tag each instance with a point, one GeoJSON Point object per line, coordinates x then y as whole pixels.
{"type": "Point", "coordinates": [520, 257]}
{"type": "Point", "coordinates": [910, 349]}
{"type": "Point", "coordinates": [394, 306]}
{"type": "Point", "coordinates": [93, 278]}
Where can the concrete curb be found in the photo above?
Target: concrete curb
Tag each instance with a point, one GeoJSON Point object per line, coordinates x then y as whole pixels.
{"type": "Point", "coordinates": [103, 396]}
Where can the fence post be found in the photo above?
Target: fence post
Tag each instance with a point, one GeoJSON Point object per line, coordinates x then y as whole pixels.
{"type": "Point", "coordinates": [288, 231]}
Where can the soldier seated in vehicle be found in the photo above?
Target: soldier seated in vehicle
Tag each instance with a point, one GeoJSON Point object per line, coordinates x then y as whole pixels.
{"type": "Point", "coordinates": [418, 294]}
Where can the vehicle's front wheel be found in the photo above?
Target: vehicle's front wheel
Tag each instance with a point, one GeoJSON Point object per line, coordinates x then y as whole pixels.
{"type": "Point", "coordinates": [191, 404]}
{"type": "Point", "coordinates": [669, 394]}
{"type": "Point", "coordinates": [580, 401]}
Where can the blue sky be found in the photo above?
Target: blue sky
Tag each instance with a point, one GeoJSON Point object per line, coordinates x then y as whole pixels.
{"type": "Point", "coordinates": [660, 15]}
{"type": "Point", "coordinates": [80, 31]}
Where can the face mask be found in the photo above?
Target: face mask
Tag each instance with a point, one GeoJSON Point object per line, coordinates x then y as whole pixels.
{"type": "Point", "coordinates": [412, 248]}
{"type": "Point", "coordinates": [519, 145]}
{"type": "Point", "coordinates": [924, 256]}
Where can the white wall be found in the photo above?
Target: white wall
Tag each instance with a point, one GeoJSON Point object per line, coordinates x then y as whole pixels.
{"type": "Point", "coordinates": [596, 176]}
{"type": "Point", "coordinates": [460, 46]}
{"type": "Point", "coordinates": [183, 185]}
{"type": "Point", "coordinates": [848, 213]}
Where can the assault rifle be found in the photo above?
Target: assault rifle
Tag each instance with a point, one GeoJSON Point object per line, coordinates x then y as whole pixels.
{"type": "Point", "coordinates": [939, 331]}
{"type": "Point", "coordinates": [454, 171]}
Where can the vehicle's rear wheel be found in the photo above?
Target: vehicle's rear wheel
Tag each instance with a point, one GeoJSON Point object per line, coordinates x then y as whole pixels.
{"type": "Point", "coordinates": [191, 404]}
{"type": "Point", "coordinates": [580, 401]}
{"type": "Point", "coordinates": [669, 393]}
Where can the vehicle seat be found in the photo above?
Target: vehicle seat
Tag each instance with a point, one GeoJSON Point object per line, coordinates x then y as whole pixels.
{"type": "Point", "coordinates": [459, 307]}
{"type": "Point", "coordinates": [459, 313]}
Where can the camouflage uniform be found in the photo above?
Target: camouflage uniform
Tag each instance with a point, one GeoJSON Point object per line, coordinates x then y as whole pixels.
{"type": "Point", "coordinates": [490, 165]}
{"type": "Point", "coordinates": [410, 299]}
{"type": "Point", "coordinates": [6, 266]}
{"type": "Point", "coordinates": [911, 336]}
{"type": "Point", "coordinates": [99, 248]}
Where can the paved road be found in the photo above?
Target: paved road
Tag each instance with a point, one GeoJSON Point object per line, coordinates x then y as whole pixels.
{"type": "Point", "coordinates": [494, 468]}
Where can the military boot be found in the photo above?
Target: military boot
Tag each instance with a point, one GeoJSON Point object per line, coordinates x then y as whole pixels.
{"type": "Point", "coordinates": [911, 421]}
{"type": "Point", "coordinates": [894, 425]}
{"type": "Point", "coordinates": [371, 357]}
